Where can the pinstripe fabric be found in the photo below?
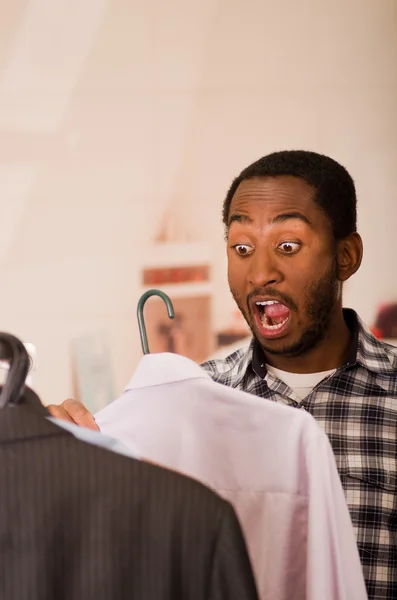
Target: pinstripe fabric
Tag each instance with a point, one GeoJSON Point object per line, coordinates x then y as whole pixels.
{"type": "Point", "coordinates": [357, 407]}
{"type": "Point", "coordinates": [78, 522]}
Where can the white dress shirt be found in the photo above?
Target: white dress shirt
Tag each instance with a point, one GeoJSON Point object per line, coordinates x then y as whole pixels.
{"type": "Point", "coordinates": [273, 463]}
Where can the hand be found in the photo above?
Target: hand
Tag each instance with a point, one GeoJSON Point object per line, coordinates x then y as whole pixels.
{"type": "Point", "coordinates": [74, 412]}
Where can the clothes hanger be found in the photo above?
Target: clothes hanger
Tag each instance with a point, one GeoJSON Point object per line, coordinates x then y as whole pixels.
{"type": "Point", "coordinates": [13, 351]}
{"type": "Point", "coordinates": [141, 320]}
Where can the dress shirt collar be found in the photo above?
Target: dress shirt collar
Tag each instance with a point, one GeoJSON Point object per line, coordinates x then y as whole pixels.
{"type": "Point", "coordinates": [158, 369]}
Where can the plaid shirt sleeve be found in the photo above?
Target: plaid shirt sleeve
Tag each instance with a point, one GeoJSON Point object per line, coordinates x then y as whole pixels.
{"type": "Point", "coordinates": [357, 407]}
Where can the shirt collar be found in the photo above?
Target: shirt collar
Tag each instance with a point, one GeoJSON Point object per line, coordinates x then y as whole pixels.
{"type": "Point", "coordinates": [365, 349]}
{"type": "Point", "coordinates": [158, 369]}
{"type": "Point", "coordinates": [372, 354]}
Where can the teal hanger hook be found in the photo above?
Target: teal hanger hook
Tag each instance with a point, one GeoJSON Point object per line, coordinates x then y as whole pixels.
{"type": "Point", "coordinates": [141, 320]}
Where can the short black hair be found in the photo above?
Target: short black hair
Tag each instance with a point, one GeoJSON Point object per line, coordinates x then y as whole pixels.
{"type": "Point", "coordinates": [335, 190]}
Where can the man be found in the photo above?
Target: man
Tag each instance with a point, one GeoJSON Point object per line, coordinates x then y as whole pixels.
{"type": "Point", "coordinates": [292, 242]}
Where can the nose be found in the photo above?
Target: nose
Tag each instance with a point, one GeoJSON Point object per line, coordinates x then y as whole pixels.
{"type": "Point", "coordinates": [263, 269]}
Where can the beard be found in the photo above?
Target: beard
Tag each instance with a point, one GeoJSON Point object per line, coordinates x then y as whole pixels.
{"type": "Point", "coordinates": [320, 299]}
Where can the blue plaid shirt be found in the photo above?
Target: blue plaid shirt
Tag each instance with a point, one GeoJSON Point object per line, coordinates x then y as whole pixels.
{"type": "Point", "coordinates": [357, 407]}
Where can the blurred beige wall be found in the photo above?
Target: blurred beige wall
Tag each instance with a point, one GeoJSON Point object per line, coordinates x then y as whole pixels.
{"type": "Point", "coordinates": [113, 111]}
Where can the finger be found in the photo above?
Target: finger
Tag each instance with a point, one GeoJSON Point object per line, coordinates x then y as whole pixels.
{"type": "Point", "coordinates": [79, 414]}
{"type": "Point", "coordinates": [57, 411]}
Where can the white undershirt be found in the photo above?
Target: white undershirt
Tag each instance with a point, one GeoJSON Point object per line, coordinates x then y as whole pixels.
{"type": "Point", "coordinates": [301, 383]}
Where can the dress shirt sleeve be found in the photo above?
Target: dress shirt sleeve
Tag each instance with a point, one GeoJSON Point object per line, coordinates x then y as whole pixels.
{"type": "Point", "coordinates": [334, 570]}
{"type": "Point", "coordinates": [232, 577]}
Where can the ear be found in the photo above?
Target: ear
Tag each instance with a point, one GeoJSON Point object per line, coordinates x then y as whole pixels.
{"type": "Point", "coordinates": [350, 254]}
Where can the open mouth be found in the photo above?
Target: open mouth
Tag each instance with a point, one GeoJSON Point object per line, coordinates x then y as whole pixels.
{"type": "Point", "coordinates": [272, 317]}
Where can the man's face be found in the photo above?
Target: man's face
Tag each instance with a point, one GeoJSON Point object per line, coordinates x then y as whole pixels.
{"type": "Point", "coordinates": [282, 264]}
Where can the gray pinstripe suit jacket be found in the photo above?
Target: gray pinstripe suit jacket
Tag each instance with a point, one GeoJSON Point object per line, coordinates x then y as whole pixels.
{"type": "Point", "coordinates": [78, 522]}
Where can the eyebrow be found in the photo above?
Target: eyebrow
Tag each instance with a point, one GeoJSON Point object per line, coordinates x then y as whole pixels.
{"type": "Point", "coordinates": [281, 218]}
{"type": "Point", "coordinates": [292, 215]}
{"type": "Point", "coordinates": [245, 219]}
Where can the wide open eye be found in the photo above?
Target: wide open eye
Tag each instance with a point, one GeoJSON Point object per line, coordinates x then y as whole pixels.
{"type": "Point", "coordinates": [289, 247]}
{"type": "Point", "coordinates": [243, 249]}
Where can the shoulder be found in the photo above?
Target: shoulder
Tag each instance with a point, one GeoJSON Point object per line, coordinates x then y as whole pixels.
{"type": "Point", "coordinates": [127, 479]}
{"type": "Point", "coordinates": [231, 369]}
{"type": "Point", "coordinates": [375, 355]}
{"type": "Point", "coordinates": [390, 351]}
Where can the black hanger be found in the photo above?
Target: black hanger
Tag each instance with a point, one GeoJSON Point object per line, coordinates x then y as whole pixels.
{"type": "Point", "coordinates": [141, 320]}
{"type": "Point", "coordinates": [13, 351]}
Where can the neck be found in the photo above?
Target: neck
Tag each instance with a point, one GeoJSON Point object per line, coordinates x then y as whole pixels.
{"type": "Point", "coordinates": [330, 353]}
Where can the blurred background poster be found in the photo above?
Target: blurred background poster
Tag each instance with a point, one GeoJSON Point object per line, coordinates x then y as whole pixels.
{"type": "Point", "coordinates": [385, 325]}
{"type": "Point", "coordinates": [92, 374]}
